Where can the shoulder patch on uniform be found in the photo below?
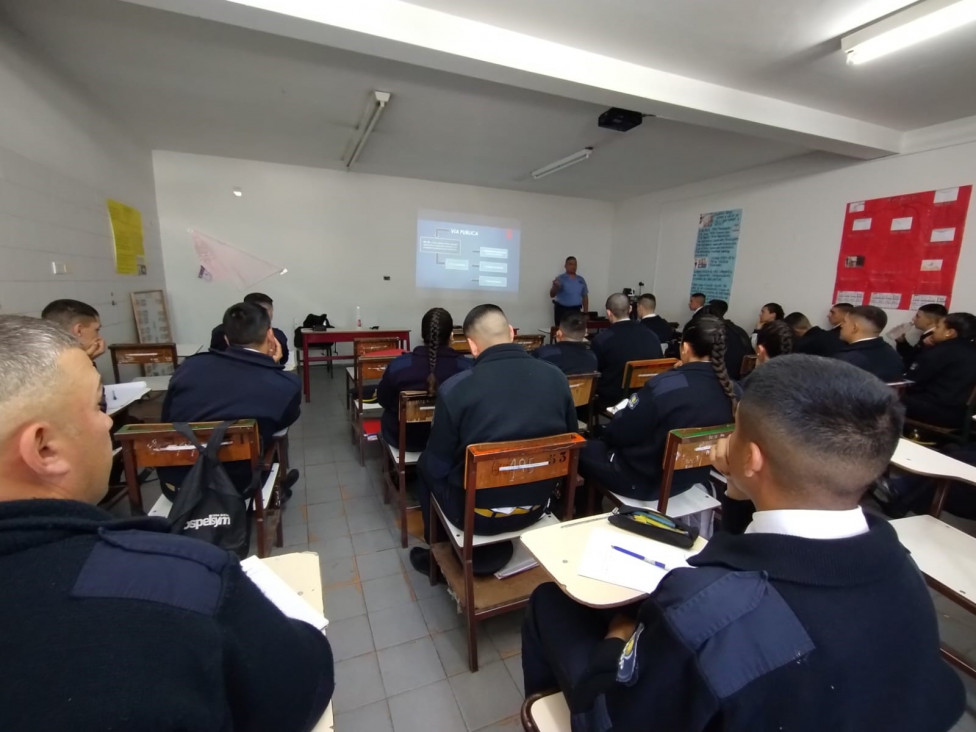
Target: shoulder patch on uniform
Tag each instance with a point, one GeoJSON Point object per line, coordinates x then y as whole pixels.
{"type": "Point", "coordinates": [633, 401]}
{"type": "Point", "coordinates": [627, 665]}
{"type": "Point", "coordinates": [737, 623]}
{"type": "Point", "coordinates": [154, 567]}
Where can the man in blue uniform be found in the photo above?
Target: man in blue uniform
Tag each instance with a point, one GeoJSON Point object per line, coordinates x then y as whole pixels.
{"type": "Point", "coordinates": [117, 624]}
{"type": "Point", "coordinates": [218, 336]}
{"type": "Point", "coordinates": [80, 320]}
{"type": "Point", "coordinates": [815, 618]}
{"type": "Point", "coordinates": [646, 307]}
{"type": "Point", "coordinates": [625, 340]}
{"type": "Point", "coordinates": [507, 395]}
{"type": "Point", "coordinates": [571, 354]}
{"type": "Point", "coordinates": [865, 348]}
{"type": "Point", "coordinates": [568, 292]}
{"type": "Point", "coordinates": [244, 381]}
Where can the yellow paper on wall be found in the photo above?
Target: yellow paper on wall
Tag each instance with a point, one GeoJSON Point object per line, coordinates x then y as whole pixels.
{"type": "Point", "coordinates": [130, 255]}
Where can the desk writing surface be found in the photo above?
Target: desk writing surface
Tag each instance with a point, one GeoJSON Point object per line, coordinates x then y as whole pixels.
{"type": "Point", "coordinates": [559, 549]}
{"type": "Point", "coordinates": [915, 458]}
{"type": "Point", "coordinates": [942, 552]}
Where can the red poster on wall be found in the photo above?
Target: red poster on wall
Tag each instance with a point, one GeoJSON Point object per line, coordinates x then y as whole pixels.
{"type": "Point", "coordinates": [901, 252]}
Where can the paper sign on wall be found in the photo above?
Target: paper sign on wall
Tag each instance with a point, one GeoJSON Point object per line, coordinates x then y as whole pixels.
{"type": "Point", "coordinates": [130, 253]}
{"type": "Point", "coordinates": [715, 252]}
{"type": "Point", "coordinates": [222, 262]}
{"type": "Point", "coordinates": [906, 253]}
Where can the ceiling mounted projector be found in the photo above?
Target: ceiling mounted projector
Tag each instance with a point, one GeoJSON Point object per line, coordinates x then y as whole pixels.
{"type": "Point", "coordinates": [619, 119]}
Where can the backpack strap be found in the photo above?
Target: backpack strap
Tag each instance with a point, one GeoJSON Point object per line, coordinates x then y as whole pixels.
{"type": "Point", "coordinates": [212, 448]}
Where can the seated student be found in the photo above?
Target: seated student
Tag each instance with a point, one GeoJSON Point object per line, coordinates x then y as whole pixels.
{"type": "Point", "coordinates": [628, 457]}
{"type": "Point", "coordinates": [80, 320]}
{"type": "Point", "coordinates": [570, 353]}
{"type": "Point", "coordinates": [944, 374]}
{"type": "Point", "coordinates": [811, 339]}
{"type": "Point", "coordinates": [218, 336]}
{"type": "Point", "coordinates": [865, 348]}
{"type": "Point", "coordinates": [775, 338]}
{"type": "Point", "coordinates": [646, 305]}
{"type": "Point", "coordinates": [244, 381]}
{"type": "Point", "coordinates": [429, 365]}
{"type": "Point", "coordinates": [767, 314]}
{"type": "Point", "coordinates": [695, 303]}
{"type": "Point", "coordinates": [120, 624]}
{"type": "Point", "coordinates": [814, 618]}
{"type": "Point", "coordinates": [625, 340]}
{"type": "Point", "coordinates": [508, 395]}
{"type": "Point", "coordinates": [924, 320]}
{"type": "Point", "coordinates": [737, 342]}
{"type": "Point", "coordinates": [835, 318]}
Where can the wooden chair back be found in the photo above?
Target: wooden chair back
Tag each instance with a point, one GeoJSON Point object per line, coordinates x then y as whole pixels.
{"type": "Point", "coordinates": [748, 365]}
{"type": "Point", "coordinates": [530, 342]}
{"type": "Point", "coordinates": [363, 346]}
{"type": "Point", "coordinates": [416, 407]}
{"type": "Point", "coordinates": [636, 373]}
{"type": "Point", "coordinates": [369, 368]}
{"type": "Point", "coordinates": [141, 354]}
{"type": "Point", "coordinates": [583, 387]}
{"type": "Point", "coordinates": [688, 448]}
{"type": "Point", "coordinates": [459, 343]}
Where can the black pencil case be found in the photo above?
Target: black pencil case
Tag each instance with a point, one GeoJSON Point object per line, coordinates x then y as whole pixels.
{"type": "Point", "coordinates": [629, 519]}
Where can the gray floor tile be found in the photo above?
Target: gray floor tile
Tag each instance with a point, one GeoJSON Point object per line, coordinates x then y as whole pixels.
{"type": "Point", "coordinates": [344, 602]}
{"type": "Point", "coordinates": [410, 666]}
{"type": "Point", "coordinates": [358, 683]}
{"type": "Point", "coordinates": [294, 513]}
{"type": "Point", "coordinates": [373, 521]}
{"type": "Point", "coordinates": [370, 718]}
{"type": "Point", "coordinates": [452, 649]}
{"type": "Point", "coordinates": [318, 454]}
{"type": "Point", "coordinates": [335, 548]}
{"type": "Point", "coordinates": [440, 611]}
{"type": "Point", "coordinates": [396, 625]}
{"type": "Point", "coordinates": [294, 536]}
{"type": "Point", "coordinates": [373, 541]}
{"type": "Point", "coordinates": [350, 637]}
{"type": "Point", "coordinates": [505, 632]}
{"type": "Point", "coordinates": [379, 564]}
{"type": "Point", "coordinates": [422, 589]}
{"type": "Point", "coordinates": [385, 592]}
{"type": "Point", "coordinates": [324, 511]}
{"type": "Point", "coordinates": [428, 709]}
{"type": "Point", "coordinates": [360, 489]}
{"type": "Point", "coordinates": [487, 696]}
{"type": "Point", "coordinates": [509, 724]}
{"type": "Point", "coordinates": [323, 494]}
{"type": "Point", "coordinates": [320, 476]}
{"type": "Point", "coordinates": [338, 571]}
{"type": "Point", "coordinates": [514, 666]}
{"type": "Point", "coordinates": [366, 504]}
{"type": "Point", "coordinates": [328, 528]}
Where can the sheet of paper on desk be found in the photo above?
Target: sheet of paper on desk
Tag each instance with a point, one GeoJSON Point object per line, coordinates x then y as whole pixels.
{"type": "Point", "coordinates": [122, 395]}
{"type": "Point", "coordinates": [602, 562]}
{"type": "Point", "coordinates": [283, 596]}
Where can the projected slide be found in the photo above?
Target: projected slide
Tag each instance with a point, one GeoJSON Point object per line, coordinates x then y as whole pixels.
{"type": "Point", "coordinates": [467, 253]}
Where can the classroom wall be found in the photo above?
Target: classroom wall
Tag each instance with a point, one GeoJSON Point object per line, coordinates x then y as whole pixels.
{"type": "Point", "coordinates": [61, 157]}
{"type": "Point", "coordinates": [792, 220]}
{"type": "Point", "coordinates": [339, 233]}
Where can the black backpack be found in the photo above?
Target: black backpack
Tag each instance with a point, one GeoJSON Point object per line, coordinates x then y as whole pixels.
{"type": "Point", "coordinates": [208, 506]}
{"type": "Point", "coordinates": [315, 322]}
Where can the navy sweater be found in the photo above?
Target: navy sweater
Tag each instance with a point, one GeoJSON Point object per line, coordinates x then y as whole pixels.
{"type": "Point", "coordinates": [119, 625]}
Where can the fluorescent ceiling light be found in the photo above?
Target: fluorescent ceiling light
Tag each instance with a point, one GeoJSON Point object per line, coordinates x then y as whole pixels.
{"type": "Point", "coordinates": [562, 163]}
{"type": "Point", "coordinates": [914, 24]}
{"type": "Point", "coordinates": [377, 103]}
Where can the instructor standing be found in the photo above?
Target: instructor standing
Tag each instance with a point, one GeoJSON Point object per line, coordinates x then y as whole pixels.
{"type": "Point", "coordinates": [568, 292]}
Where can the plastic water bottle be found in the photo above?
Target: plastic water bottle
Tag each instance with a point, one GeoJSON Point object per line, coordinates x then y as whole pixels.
{"type": "Point", "coordinates": [359, 319]}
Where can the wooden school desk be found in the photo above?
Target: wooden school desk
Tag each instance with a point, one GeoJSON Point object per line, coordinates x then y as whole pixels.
{"type": "Point", "coordinates": [915, 458]}
{"type": "Point", "coordinates": [312, 337]}
{"type": "Point", "coordinates": [559, 548]}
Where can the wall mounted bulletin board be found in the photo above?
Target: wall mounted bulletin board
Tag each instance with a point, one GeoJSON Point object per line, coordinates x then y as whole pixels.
{"type": "Point", "coordinates": [901, 252]}
{"type": "Point", "coordinates": [152, 318]}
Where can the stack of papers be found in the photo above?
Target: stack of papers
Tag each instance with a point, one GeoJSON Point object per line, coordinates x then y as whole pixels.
{"type": "Point", "coordinates": [119, 396]}
{"type": "Point", "coordinates": [283, 596]}
{"type": "Point", "coordinates": [602, 562]}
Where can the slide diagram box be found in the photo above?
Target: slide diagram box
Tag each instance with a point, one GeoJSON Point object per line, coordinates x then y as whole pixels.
{"type": "Point", "coordinates": [493, 252]}
{"type": "Point", "coordinates": [434, 245]}
{"type": "Point", "coordinates": [492, 281]}
{"type": "Point", "coordinates": [498, 267]}
{"type": "Point", "coordinates": [460, 265]}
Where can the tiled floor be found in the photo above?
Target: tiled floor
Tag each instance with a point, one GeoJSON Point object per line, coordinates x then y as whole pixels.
{"type": "Point", "coordinates": [401, 659]}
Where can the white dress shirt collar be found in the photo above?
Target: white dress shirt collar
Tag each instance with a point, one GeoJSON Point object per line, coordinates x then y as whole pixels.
{"type": "Point", "coordinates": [809, 524]}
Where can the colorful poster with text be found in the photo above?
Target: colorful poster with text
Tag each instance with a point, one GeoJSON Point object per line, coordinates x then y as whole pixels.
{"type": "Point", "coordinates": [715, 250]}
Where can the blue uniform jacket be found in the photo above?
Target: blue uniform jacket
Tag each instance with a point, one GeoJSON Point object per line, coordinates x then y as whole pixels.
{"type": "Point", "coordinates": [568, 356]}
{"type": "Point", "coordinates": [623, 341]}
{"type": "Point", "coordinates": [874, 356]}
{"type": "Point", "coordinates": [688, 396]}
{"type": "Point", "coordinates": [218, 342]}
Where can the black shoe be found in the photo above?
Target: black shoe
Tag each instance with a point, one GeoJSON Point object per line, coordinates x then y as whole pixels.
{"type": "Point", "coordinates": [290, 479]}
{"type": "Point", "coordinates": [420, 559]}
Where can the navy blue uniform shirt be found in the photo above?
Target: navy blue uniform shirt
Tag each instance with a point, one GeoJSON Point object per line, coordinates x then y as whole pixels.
{"type": "Point", "coordinates": [944, 376]}
{"type": "Point", "coordinates": [623, 341]}
{"type": "Point", "coordinates": [569, 357]}
{"type": "Point", "coordinates": [874, 356]}
{"type": "Point", "coordinates": [218, 341]}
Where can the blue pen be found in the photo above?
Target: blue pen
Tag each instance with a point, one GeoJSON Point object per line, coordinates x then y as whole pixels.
{"type": "Point", "coordinates": [635, 555]}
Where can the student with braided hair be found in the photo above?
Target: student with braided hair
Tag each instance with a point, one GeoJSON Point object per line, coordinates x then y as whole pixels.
{"type": "Point", "coordinates": [775, 338]}
{"type": "Point", "coordinates": [424, 369]}
{"type": "Point", "coordinates": [628, 457]}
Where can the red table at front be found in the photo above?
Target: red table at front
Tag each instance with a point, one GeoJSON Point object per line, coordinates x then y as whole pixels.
{"type": "Point", "coordinates": [333, 335]}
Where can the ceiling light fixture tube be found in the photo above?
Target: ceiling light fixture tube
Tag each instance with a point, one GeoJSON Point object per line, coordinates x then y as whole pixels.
{"type": "Point", "coordinates": [914, 24]}
{"type": "Point", "coordinates": [377, 103]}
{"type": "Point", "coordinates": [563, 163]}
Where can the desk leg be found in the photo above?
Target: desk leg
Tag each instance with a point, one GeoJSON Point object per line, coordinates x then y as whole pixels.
{"type": "Point", "coordinates": [305, 380]}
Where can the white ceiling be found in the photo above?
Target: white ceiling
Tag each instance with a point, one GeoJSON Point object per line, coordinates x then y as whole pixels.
{"type": "Point", "coordinates": [194, 85]}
